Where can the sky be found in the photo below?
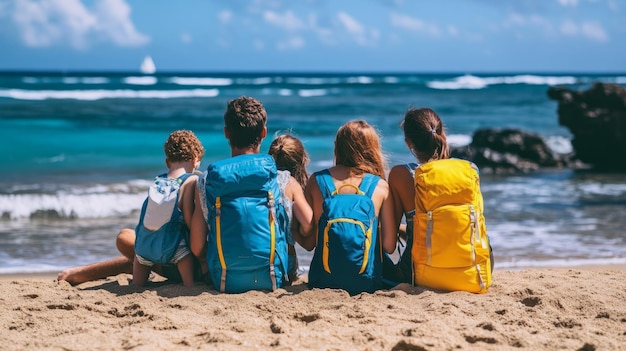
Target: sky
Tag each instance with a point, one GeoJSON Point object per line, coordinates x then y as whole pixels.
{"type": "Point", "coordinates": [469, 36]}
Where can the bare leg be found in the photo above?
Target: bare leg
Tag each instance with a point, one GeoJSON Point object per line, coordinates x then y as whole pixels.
{"type": "Point", "coordinates": [293, 275]}
{"type": "Point", "coordinates": [125, 243]}
{"type": "Point", "coordinates": [140, 273]}
{"type": "Point", "coordinates": [124, 264]}
{"type": "Point", "coordinates": [94, 271]}
{"type": "Point", "coordinates": [185, 267]}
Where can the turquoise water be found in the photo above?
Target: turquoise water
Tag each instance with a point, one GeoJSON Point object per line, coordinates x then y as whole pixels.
{"type": "Point", "coordinates": [79, 149]}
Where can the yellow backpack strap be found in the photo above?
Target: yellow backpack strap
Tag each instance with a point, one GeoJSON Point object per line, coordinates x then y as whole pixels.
{"type": "Point", "coordinates": [356, 188]}
{"type": "Point", "coordinates": [272, 221]}
{"type": "Point", "coordinates": [368, 244]}
{"type": "Point", "coordinates": [218, 235]}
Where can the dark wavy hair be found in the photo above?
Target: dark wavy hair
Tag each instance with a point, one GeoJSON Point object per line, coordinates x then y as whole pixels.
{"type": "Point", "coordinates": [424, 132]}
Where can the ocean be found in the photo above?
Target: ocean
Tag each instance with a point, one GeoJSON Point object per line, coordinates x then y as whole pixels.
{"type": "Point", "coordinates": [78, 151]}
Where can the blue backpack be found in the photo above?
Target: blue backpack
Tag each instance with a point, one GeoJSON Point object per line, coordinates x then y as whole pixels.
{"type": "Point", "coordinates": [246, 242]}
{"type": "Point", "coordinates": [348, 252]}
{"type": "Point", "coordinates": [161, 224]}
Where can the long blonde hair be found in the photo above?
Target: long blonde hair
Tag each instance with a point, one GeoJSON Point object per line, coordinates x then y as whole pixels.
{"type": "Point", "coordinates": [357, 146]}
{"type": "Point", "coordinates": [290, 155]}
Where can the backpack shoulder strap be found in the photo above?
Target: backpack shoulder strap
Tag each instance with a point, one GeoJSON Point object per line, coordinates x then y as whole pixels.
{"type": "Point", "coordinates": [411, 167]}
{"type": "Point", "coordinates": [183, 178]}
{"type": "Point", "coordinates": [368, 184]}
{"type": "Point", "coordinates": [162, 175]}
{"type": "Point", "coordinates": [325, 183]}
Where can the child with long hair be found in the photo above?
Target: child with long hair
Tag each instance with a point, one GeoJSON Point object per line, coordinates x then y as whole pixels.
{"type": "Point", "coordinates": [292, 159]}
{"type": "Point", "coordinates": [359, 170]}
{"type": "Point", "coordinates": [425, 137]}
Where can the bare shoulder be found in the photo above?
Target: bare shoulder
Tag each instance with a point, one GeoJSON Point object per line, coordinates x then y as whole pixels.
{"type": "Point", "coordinates": [189, 184]}
{"type": "Point", "coordinates": [382, 190]}
{"type": "Point", "coordinates": [191, 179]}
{"type": "Point", "coordinates": [292, 188]}
{"type": "Point", "coordinates": [399, 172]}
{"type": "Point", "coordinates": [382, 185]}
{"type": "Point", "coordinates": [400, 177]}
{"type": "Point", "coordinates": [311, 184]}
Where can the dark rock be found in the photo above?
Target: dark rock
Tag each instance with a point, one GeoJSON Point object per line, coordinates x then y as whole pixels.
{"type": "Point", "coordinates": [597, 120]}
{"type": "Point", "coordinates": [510, 151]}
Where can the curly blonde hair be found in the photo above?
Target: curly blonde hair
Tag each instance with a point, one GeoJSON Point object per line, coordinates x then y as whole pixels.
{"type": "Point", "coordinates": [183, 145]}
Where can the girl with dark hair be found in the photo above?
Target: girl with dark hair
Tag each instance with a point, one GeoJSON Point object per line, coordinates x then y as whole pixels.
{"type": "Point", "coordinates": [425, 136]}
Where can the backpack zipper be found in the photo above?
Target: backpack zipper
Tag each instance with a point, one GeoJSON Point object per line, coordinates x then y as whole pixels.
{"type": "Point", "coordinates": [366, 233]}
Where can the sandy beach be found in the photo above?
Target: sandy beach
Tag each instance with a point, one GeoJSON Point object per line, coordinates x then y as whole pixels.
{"type": "Point", "coordinates": [537, 309]}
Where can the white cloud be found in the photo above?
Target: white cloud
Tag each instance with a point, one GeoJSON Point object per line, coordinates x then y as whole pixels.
{"type": "Point", "coordinates": [569, 28]}
{"type": "Point", "coordinates": [374, 34]}
{"type": "Point", "coordinates": [186, 38]}
{"type": "Point", "coordinates": [50, 22]}
{"type": "Point", "coordinates": [259, 45]}
{"type": "Point", "coordinates": [287, 21]}
{"type": "Point", "coordinates": [407, 22]}
{"type": "Point", "coordinates": [572, 3]}
{"type": "Point", "coordinates": [113, 20]}
{"type": "Point", "coordinates": [323, 33]}
{"type": "Point", "coordinates": [292, 43]}
{"type": "Point", "coordinates": [414, 24]}
{"type": "Point", "coordinates": [350, 24]}
{"type": "Point", "coordinates": [594, 31]}
{"type": "Point", "coordinates": [453, 31]}
{"type": "Point", "coordinates": [3, 9]}
{"type": "Point", "coordinates": [515, 19]}
{"type": "Point", "coordinates": [523, 26]}
{"type": "Point", "coordinates": [360, 34]}
{"type": "Point", "coordinates": [225, 16]}
{"type": "Point", "coordinates": [589, 30]}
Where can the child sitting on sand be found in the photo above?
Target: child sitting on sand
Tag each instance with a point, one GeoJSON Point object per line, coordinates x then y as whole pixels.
{"type": "Point", "coordinates": [347, 200]}
{"type": "Point", "coordinates": [446, 243]}
{"type": "Point", "coordinates": [187, 149]}
{"type": "Point", "coordinates": [292, 160]}
{"type": "Point", "coordinates": [163, 226]}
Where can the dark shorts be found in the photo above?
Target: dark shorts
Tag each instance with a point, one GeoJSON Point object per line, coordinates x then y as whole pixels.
{"type": "Point", "coordinates": [398, 272]}
{"type": "Point", "coordinates": [402, 271]}
{"type": "Point", "coordinates": [170, 271]}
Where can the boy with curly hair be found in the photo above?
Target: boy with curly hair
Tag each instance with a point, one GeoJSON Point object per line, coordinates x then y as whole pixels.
{"type": "Point", "coordinates": [163, 230]}
{"type": "Point", "coordinates": [183, 152]}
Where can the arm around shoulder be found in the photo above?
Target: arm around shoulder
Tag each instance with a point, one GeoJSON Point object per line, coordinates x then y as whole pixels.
{"type": "Point", "coordinates": [308, 238]}
{"type": "Point", "coordinates": [302, 211]}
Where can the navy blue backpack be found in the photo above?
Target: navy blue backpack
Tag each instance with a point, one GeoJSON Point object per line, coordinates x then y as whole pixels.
{"type": "Point", "coordinates": [348, 253]}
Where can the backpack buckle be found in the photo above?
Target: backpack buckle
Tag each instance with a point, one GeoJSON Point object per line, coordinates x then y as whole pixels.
{"type": "Point", "coordinates": [218, 207]}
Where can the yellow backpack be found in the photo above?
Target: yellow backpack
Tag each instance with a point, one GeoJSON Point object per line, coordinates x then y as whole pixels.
{"type": "Point", "coordinates": [451, 250]}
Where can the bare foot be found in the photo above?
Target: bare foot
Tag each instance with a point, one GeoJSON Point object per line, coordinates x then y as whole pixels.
{"type": "Point", "coordinates": [70, 275]}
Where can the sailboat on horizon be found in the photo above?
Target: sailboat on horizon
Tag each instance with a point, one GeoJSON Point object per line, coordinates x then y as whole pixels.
{"type": "Point", "coordinates": [147, 65]}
